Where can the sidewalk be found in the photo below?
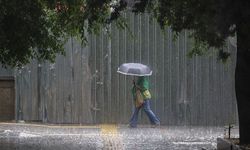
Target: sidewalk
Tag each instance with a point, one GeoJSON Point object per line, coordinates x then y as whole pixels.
{"type": "Point", "coordinates": [22, 136]}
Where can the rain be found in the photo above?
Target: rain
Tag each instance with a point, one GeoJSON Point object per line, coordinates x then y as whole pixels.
{"type": "Point", "coordinates": [43, 137]}
{"type": "Point", "coordinates": [84, 101]}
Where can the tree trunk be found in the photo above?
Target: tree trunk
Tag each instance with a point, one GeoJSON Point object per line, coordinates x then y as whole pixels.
{"type": "Point", "coordinates": [242, 81]}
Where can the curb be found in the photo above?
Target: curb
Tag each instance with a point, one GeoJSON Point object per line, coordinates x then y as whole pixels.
{"type": "Point", "coordinates": [224, 144]}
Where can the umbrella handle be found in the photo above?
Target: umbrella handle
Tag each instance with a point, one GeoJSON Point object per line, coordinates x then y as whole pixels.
{"type": "Point", "coordinates": [138, 87]}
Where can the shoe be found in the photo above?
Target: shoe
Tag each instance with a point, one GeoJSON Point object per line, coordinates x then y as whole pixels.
{"type": "Point", "coordinates": [155, 125]}
{"type": "Point", "coordinates": [130, 126]}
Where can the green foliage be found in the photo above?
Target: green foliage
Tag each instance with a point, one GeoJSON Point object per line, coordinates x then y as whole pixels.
{"type": "Point", "coordinates": [26, 32]}
{"type": "Point", "coordinates": [38, 28]}
{"type": "Point", "coordinates": [199, 49]}
{"type": "Point", "coordinates": [223, 56]}
{"type": "Point", "coordinates": [211, 22]}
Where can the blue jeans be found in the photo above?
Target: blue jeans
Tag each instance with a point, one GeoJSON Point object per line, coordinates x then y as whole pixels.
{"type": "Point", "coordinates": [146, 107]}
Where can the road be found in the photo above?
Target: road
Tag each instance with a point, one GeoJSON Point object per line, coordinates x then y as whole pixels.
{"type": "Point", "coordinates": [22, 136]}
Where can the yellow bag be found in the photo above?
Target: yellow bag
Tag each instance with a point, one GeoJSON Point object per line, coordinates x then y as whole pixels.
{"type": "Point", "coordinates": [139, 99]}
{"type": "Point", "coordinates": [147, 94]}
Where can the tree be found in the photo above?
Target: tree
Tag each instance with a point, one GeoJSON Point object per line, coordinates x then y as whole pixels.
{"type": "Point", "coordinates": [24, 33]}
{"type": "Point", "coordinates": [38, 28]}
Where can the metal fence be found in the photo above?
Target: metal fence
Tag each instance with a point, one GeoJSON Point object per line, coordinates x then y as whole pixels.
{"type": "Point", "coordinates": [84, 87]}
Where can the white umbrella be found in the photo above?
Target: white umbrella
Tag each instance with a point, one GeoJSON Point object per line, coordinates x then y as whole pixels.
{"type": "Point", "coordinates": [134, 69]}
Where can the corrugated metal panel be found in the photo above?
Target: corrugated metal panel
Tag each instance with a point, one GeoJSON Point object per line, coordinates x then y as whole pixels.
{"type": "Point", "coordinates": [197, 91]}
{"type": "Point", "coordinates": [84, 87]}
{"type": "Point", "coordinates": [57, 93]}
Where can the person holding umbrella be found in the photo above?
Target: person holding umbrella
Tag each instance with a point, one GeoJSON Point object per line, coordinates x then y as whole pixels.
{"type": "Point", "coordinates": [140, 91]}
{"type": "Point", "coordinates": [142, 86]}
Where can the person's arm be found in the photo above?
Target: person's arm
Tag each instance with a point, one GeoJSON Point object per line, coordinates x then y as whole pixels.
{"type": "Point", "coordinates": [137, 86]}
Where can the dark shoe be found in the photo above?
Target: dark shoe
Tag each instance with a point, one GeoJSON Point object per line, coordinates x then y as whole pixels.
{"type": "Point", "coordinates": [155, 125]}
{"type": "Point", "coordinates": [130, 126]}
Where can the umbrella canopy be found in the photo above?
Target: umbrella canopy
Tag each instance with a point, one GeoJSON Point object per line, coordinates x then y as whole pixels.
{"type": "Point", "coordinates": [134, 69]}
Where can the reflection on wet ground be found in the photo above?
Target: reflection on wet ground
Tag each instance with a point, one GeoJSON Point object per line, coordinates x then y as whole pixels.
{"type": "Point", "coordinates": [107, 137]}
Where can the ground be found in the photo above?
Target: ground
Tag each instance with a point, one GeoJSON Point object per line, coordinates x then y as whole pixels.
{"type": "Point", "coordinates": [22, 136]}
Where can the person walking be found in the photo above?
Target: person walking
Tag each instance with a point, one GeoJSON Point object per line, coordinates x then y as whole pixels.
{"type": "Point", "coordinates": [142, 86]}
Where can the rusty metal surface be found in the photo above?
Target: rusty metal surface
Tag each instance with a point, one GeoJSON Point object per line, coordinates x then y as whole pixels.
{"type": "Point", "coordinates": [7, 100]}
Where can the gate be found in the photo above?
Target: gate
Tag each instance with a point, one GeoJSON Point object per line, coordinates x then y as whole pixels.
{"type": "Point", "coordinates": [7, 99]}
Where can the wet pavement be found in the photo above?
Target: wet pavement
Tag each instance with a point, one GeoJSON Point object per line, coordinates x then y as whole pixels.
{"type": "Point", "coordinates": [107, 137]}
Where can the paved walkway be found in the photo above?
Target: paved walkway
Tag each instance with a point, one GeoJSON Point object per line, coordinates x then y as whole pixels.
{"type": "Point", "coordinates": [106, 137]}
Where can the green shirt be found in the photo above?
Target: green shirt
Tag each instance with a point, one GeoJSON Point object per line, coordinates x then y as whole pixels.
{"type": "Point", "coordinates": [143, 84]}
